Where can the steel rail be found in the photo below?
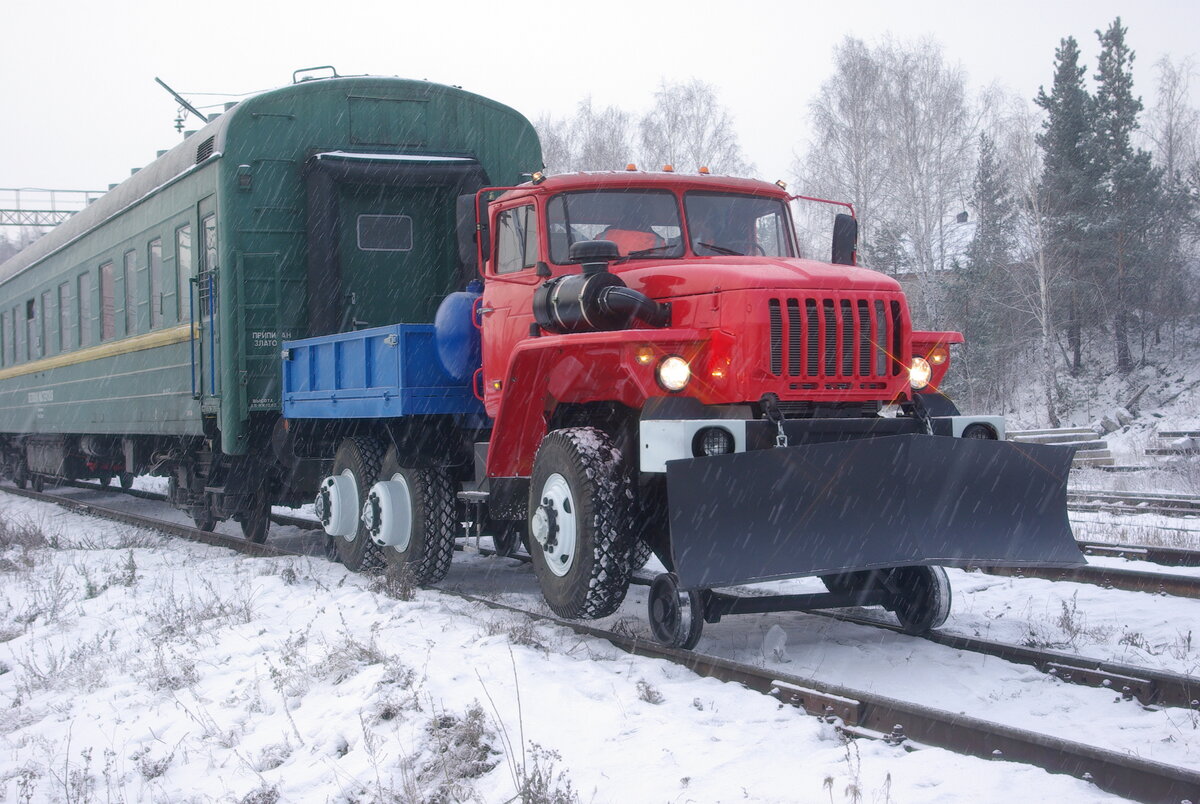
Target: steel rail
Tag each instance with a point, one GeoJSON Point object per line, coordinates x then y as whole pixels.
{"type": "Point", "coordinates": [861, 713]}
{"type": "Point", "coordinates": [1163, 504]}
{"type": "Point", "coordinates": [1148, 686]}
{"type": "Point", "coordinates": [1155, 554]}
{"type": "Point", "coordinates": [1110, 578]}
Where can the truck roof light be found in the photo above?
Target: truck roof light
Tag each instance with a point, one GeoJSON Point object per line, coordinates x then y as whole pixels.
{"type": "Point", "coordinates": [781, 184]}
{"type": "Point", "coordinates": [703, 170]}
{"type": "Point", "coordinates": [631, 166]}
{"type": "Point", "coordinates": [538, 177]}
{"type": "Point", "coordinates": [668, 168]}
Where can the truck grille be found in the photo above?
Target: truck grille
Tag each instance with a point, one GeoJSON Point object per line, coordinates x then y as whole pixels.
{"type": "Point", "coordinates": [842, 338]}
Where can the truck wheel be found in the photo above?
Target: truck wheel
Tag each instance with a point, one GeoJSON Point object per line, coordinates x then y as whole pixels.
{"type": "Point", "coordinates": [409, 516]}
{"type": "Point", "coordinates": [923, 602]}
{"type": "Point", "coordinates": [357, 459]}
{"type": "Point", "coordinates": [639, 553]}
{"type": "Point", "coordinates": [579, 523]}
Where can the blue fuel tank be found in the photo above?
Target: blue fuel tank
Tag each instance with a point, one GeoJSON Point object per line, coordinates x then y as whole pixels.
{"type": "Point", "coordinates": [458, 343]}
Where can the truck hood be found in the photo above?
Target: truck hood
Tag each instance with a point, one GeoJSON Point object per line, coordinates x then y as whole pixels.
{"type": "Point", "coordinates": [668, 279]}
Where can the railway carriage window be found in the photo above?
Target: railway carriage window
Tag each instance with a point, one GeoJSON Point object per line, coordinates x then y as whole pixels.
{"type": "Point", "coordinates": [131, 294]}
{"type": "Point", "coordinates": [64, 315]}
{"type": "Point", "coordinates": [208, 228]}
{"type": "Point", "coordinates": [516, 240]}
{"type": "Point", "coordinates": [85, 309]}
{"type": "Point", "coordinates": [183, 270]}
{"type": "Point", "coordinates": [385, 233]}
{"type": "Point", "coordinates": [156, 310]}
{"type": "Point", "coordinates": [44, 325]}
{"type": "Point", "coordinates": [33, 344]}
{"type": "Point", "coordinates": [108, 302]}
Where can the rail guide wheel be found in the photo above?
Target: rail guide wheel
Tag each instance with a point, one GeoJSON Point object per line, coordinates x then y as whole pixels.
{"type": "Point", "coordinates": [923, 599]}
{"type": "Point", "coordinates": [676, 615]}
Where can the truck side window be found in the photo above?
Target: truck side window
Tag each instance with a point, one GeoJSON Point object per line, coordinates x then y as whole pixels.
{"type": "Point", "coordinates": [516, 240]}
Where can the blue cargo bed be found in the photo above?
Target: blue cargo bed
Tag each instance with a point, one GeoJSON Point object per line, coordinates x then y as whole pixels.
{"type": "Point", "coordinates": [376, 373]}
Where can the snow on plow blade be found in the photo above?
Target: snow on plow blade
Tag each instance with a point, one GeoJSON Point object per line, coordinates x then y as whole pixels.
{"type": "Point", "coordinates": [871, 503]}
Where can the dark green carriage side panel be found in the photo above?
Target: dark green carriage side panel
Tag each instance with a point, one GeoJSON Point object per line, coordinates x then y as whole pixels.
{"type": "Point", "coordinates": [139, 380]}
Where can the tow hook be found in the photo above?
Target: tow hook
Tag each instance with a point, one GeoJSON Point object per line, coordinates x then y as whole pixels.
{"type": "Point", "coordinates": [545, 525]}
{"type": "Point", "coordinates": [770, 406]}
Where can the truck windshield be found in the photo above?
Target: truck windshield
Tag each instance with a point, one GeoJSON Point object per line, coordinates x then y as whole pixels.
{"type": "Point", "coordinates": [643, 223]}
{"type": "Point", "coordinates": [728, 223]}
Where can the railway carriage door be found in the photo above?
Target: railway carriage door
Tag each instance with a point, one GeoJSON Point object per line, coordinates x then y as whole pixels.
{"type": "Point", "coordinates": [396, 253]}
{"type": "Point", "coordinates": [207, 311]}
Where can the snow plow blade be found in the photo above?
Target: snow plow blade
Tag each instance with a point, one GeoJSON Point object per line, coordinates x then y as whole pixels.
{"type": "Point", "coordinates": [872, 503]}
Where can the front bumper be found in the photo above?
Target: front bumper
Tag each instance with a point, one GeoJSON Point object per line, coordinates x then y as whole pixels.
{"type": "Point", "coordinates": [663, 440]}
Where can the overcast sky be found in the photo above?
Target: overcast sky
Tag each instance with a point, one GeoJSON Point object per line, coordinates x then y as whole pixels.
{"type": "Point", "coordinates": [80, 106]}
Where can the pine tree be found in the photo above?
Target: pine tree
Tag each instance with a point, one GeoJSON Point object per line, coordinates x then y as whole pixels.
{"type": "Point", "coordinates": [981, 293]}
{"type": "Point", "coordinates": [1129, 193]}
{"type": "Point", "coordinates": [1068, 187]}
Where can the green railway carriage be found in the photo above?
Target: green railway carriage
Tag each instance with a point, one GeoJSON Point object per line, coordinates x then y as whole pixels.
{"type": "Point", "coordinates": [143, 333]}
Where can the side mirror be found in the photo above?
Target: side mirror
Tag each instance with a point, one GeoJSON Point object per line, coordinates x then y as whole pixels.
{"type": "Point", "coordinates": [845, 239]}
{"type": "Point", "coordinates": [483, 228]}
{"type": "Point", "coordinates": [465, 226]}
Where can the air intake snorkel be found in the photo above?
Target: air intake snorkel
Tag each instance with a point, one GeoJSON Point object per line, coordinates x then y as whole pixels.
{"type": "Point", "coordinates": [595, 300]}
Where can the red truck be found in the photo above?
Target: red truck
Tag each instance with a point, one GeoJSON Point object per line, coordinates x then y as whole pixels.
{"type": "Point", "coordinates": [659, 371]}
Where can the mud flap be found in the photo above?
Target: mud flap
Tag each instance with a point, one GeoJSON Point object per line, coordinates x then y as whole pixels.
{"type": "Point", "coordinates": [867, 504]}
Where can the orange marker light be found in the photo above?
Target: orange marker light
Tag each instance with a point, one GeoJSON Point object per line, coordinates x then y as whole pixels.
{"type": "Point", "coordinates": [631, 166]}
{"type": "Point", "coordinates": [703, 171]}
{"type": "Point", "coordinates": [938, 355]}
{"type": "Point", "coordinates": [644, 355]}
{"type": "Point", "coordinates": [668, 168]}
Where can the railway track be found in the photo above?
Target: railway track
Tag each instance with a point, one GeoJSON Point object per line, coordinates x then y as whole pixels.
{"type": "Point", "coordinates": [1107, 577]}
{"type": "Point", "coordinates": [1128, 502]}
{"type": "Point", "coordinates": [858, 713]}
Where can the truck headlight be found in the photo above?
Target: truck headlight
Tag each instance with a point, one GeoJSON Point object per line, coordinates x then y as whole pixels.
{"type": "Point", "coordinates": [919, 373]}
{"type": "Point", "coordinates": [674, 373]}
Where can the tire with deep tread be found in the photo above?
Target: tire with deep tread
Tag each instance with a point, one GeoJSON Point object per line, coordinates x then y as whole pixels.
{"type": "Point", "coordinates": [639, 553]}
{"type": "Point", "coordinates": [362, 455]}
{"type": "Point", "coordinates": [431, 539]}
{"type": "Point", "coordinates": [597, 580]}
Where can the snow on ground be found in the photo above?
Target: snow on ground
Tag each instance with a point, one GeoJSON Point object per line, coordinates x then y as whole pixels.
{"type": "Point", "coordinates": [135, 668]}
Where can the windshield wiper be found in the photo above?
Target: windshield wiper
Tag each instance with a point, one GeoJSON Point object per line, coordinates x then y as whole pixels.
{"type": "Point", "coordinates": [721, 249]}
{"type": "Point", "coordinates": [646, 252]}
